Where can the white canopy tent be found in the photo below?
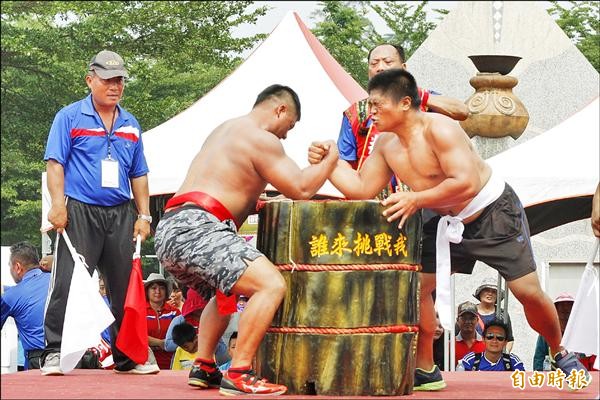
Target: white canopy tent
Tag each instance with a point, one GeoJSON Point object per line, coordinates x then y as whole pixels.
{"type": "Point", "coordinates": [291, 56]}
{"type": "Point", "coordinates": [562, 163]}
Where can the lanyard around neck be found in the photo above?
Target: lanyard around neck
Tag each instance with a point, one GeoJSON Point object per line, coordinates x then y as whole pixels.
{"type": "Point", "coordinates": [112, 125]}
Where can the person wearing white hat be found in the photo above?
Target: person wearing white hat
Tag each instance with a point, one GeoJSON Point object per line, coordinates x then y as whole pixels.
{"type": "Point", "coordinates": [159, 314]}
{"type": "Point", "coordinates": [563, 303]}
{"type": "Point", "coordinates": [487, 294]}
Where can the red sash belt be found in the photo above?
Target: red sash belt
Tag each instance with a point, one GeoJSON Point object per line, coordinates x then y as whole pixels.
{"type": "Point", "coordinates": [207, 202]}
{"type": "Point", "coordinates": [225, 304]}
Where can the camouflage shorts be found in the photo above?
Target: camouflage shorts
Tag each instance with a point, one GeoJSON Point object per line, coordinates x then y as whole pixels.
{"type": "Point", "coordinates": [202, 252]}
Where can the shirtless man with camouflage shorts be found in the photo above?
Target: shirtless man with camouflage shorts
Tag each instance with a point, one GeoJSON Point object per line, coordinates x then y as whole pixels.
{"type": "Point", "coordinates": [196, 240]}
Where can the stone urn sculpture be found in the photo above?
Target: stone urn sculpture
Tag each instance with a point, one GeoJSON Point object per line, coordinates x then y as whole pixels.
{"type": "Point", "coordinates": [494, 110]}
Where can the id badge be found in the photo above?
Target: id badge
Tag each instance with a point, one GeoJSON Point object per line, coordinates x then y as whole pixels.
{"type": "Point", "coordinates": [110, 173]}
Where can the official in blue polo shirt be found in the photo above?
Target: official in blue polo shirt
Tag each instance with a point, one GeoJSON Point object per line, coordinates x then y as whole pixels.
{"type": "Point", "coordinates": [95, 161]}
{"type": "Point", "coordinates": [25, 302]}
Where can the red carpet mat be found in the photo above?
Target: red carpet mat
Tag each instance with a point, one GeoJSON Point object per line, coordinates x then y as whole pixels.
{"type": "Point", "coordinates": [101, 384]}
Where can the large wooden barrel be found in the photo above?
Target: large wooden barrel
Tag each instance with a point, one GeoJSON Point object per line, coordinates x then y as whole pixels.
{"type": "Point", "coordinates": [348, 323]}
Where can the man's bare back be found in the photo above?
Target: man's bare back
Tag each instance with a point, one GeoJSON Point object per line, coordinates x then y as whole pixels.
{"type": "Point", "coordinates": [243, 154]}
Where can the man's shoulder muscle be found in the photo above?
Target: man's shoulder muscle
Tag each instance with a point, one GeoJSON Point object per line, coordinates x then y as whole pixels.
{"type": "Point", "coordinates": [442, 130]}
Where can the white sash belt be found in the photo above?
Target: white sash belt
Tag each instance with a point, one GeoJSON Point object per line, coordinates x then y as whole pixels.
{"type": "Point", "coordinates": [450, 229]}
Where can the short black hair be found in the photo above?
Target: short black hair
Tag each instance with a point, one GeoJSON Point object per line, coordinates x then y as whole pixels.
{"type": "Point", "coordinates": [233, 336]}
{"type": "Point", "coordinates": [396, 83]}
{"type": "Point", "coordinates": [183, 333]}
{"type": "Point", "coordinates": [496, 322]}
{"type": "Point", "coordinates": [398, 48]}
{"type": "Point", "coordinates": [25, 253]}
{"type": "Point", "coordinates": [279, 91]}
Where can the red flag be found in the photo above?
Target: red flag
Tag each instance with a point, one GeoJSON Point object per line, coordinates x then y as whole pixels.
{"type": "Point", "coordinates": [133, 335]}
{"type": "Point", "coordinates": [226, 304]}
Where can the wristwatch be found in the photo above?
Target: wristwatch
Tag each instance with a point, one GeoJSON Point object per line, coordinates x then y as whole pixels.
{"type": "Point", "coordinates": [145, 217]}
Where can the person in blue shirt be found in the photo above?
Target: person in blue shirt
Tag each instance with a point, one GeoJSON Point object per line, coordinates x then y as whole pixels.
{"type": "Point", "coordinates": [95, 163]}
{"type": "Point", "coordinates": [493, 358]}
{"type": "Point", "coordinates": [25, 302]}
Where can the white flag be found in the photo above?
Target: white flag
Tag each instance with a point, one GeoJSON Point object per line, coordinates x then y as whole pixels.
{"type": "Point", "coordinates": [46, 205]}
{"type": "Point", "coordinates": [86, 315]}
{"type": "Point", "coordinates": [581, 334]}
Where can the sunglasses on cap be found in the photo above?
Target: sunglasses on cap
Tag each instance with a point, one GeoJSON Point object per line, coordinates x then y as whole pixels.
{"type": "Point", "coordinates": [490, 336]}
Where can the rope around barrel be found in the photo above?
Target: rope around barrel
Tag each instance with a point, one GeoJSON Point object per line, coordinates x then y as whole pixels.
{"type": "Point", "coordinates": [346, 331]}
{"type": "Point", "coordinates": [348, 267]}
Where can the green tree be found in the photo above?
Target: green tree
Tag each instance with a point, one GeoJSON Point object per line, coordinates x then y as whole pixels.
{"type": "Point", "coordinates": [408, 22]}
{"type": "Point", "coordinates": [348, 35]}
{"type": "Point", "coordinates": [580, 20]}
{"type": "Point", "coordinates": [175, 51]}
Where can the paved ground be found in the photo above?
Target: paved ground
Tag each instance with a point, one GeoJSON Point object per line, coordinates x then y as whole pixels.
{"type": "Point", "coordinates": [101, 384]}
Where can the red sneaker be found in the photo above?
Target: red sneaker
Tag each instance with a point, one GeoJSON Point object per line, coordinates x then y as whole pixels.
{"type": "Point", "coordinates": [249, 383]}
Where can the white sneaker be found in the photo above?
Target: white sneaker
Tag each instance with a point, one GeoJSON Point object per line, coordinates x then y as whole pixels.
{"type": "Point", "coordinates": [148, 368]}
{"type": "Point", "coordinates": [51, 365]}
{"type": "Point", "coordinates": [141, 369]}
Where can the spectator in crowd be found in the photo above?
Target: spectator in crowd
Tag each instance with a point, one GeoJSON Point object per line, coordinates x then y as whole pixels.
{"type": "Point", "coordinates": [95, 163]}
{"type": "Point", "coordinates": [191, 313]}
{"type": "Point", "coordinates": [185, 336]}
{"type": "Point", "coordinates": [467, 339]}
{"type": "Point", "coordinates": [46, 263]}
{"type": "Point", "coordinates": [493, 358]}
{"type": "Point", "coordinates": [176, 297]}
{"type": "Point", "coordinates": [235, 317]}
{"type": "Point", "coordinates": [564, 304]}
{"type": "Point", "coordinates": [230, 350]}
{"type": "Point", "coordinates": [438, 344]}
{"type": "Point", "coordinates": [26, 300]}
{"type": "Point", "coordinates": [241, 303]}
{"type": "Point", "coordinates": [487, 294]}
{"type": "Point", "coordinates": [159, 315]}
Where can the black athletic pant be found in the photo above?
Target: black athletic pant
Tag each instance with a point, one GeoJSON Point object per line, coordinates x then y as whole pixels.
{"type": "Point", "coordinates": [103, 236]}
